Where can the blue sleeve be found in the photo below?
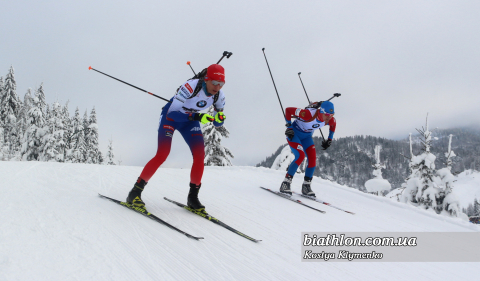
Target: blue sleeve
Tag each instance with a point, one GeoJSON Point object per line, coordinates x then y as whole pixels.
{"type": "Point", "coordinates": [216, 124]}
{"type": "Point", "coordinates": [330, 136]}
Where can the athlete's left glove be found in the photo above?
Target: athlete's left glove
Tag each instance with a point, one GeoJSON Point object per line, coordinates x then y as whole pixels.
{"type": "Point", "coordinates": [220, 117]}
{"type": "Point", "coordinates": [326, 144]}
{"type": "Point", "coordinates": [202, 117]}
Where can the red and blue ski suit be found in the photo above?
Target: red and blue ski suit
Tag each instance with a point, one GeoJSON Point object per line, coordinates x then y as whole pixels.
{"type": "Point", "coordinates": [308, 120]}
{"type": "Point", "coordinates": [175, 116]}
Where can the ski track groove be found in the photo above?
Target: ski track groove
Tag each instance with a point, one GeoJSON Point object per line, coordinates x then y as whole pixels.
{"type": "Point", "coordinates": [136, 256]}
{"type": "Point", "coordinates": [219, 262]}
{"type": "Point", "coordinates": [142, 241]}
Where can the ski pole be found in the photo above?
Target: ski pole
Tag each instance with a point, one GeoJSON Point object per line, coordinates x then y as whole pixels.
{"type": "Point", "coordinates": [225, 54]}
{"type": "Point", "coordinates": [283, 112]}
{"type": "Point", "coordinates": [303, 87]}
{"type": "Point", "coordinates": [91, 68]}
{"type": "Point", "coordinates": [188, 62]}
{"type": "Point", "coordinates": [334, 96]}
{"type": "Point", "coordinates": [309, 102]}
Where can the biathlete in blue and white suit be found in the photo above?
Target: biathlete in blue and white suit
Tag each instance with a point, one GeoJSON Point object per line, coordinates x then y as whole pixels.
{"type": "Point", "coordinates": [183, 115]}
{"type": "Point", "coordinates": [299, 137]}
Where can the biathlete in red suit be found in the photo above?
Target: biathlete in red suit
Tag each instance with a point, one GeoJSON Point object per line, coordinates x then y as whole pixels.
{"type": "Point", "coordinates": [299, 138]}
{"type": "Point", "coordinates": [182, 115]}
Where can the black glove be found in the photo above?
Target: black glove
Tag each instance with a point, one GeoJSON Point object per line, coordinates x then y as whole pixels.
{"type": "Point", "coordinates": [315, 104]}
{"type": "Point", "coordinates": [326, 144]}
{"type": "Point", "coordinates": [290, 133]}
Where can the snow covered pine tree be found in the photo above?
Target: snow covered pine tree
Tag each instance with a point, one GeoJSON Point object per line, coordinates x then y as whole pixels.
{"type": "Point", "coordinates": [378, 185]}
{"type": "Point", "coordinates": [215, 153]}
{"type": "Point", "coordinates": [10, 106]}
{"type": "Point", "coordinates": [110, 155]}
{"type": "Point", "coordinates": [425, 187]}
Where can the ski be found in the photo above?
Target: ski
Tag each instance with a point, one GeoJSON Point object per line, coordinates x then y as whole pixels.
{"type": "Point", "coordinates": [149, 215]}
{"type": "Point", "coordinates": [323, 202]}
{"type": "Point", "coordinates": [286, 196]}
{"type": "Point", "coordinates": [205, 215]}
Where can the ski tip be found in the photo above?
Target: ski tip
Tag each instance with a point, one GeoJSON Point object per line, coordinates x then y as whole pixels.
{"type": "Point", "coordinates": [188, 62]}
{"type": "Point", "coordinates": [89, 68]}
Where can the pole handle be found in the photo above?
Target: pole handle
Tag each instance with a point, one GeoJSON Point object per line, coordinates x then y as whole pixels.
{"type": "Point", "coordinates": [225, 54]}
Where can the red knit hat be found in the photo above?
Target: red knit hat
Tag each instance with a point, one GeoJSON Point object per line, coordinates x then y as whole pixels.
{"type": "Point", "coordinates": [215, 72]}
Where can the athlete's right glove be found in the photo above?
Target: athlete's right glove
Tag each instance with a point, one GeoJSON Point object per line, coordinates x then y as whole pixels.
{"type": "Point", "coordinates": [202, 117]}
{"type": "Point", "coordinates": [220, 117]}
{"type": "Point", "coordinates": [315, 104]}
{"type": "Point", "coordinates": [290, 133]}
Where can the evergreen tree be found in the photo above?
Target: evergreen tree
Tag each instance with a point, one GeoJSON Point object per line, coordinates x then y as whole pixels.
{"type": "Point", "coordinates": [2, 145]}
{"type": "Point", "coordinates": [476, 207]}
{"type": "Point", "coordinates": [215, 153]}
{"type": "Point", "coordinates": [420, 187]}
{"type": "Point", "coordinates": [2, 95]}
{"type": "Point", "coordinates": [93, 153]}
{"type": "Point", "coordinates": [2, 125]}
{"type": "Point", "coordinates": [470, 210]}
{"type": "Point", "coordinates": [54, 145]}
{"type": "Point", "coordinates": [32, 145]}
{"type": "Point", "coordinates": [427, 187]}
{"type": "Point", "coordinates": [110, 155]}
{"type": "Point", "coordinates": [77, 141]}
{"type": "Point", "coordinates": [449, 154]}
{"type": "Point", "coordinates": [80, 148]}
{"type": "Point", "coordinates": [42, 103]}
{"type": "Point", "coordinates": [9, 113]}
{"type": "Point", "coordinates": [85, 131]}
{"type": "Point", "coordinates": [378, 185]}
{"type": "Point", "coordinates": [67, 133]}
{"type": "Point", "coordinates": [27, 105]}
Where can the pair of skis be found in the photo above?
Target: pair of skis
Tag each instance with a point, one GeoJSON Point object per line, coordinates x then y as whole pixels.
{"type": "Point", "coordinates": [200, 213]}
{"type": "Point", "coordinates": [289, 197]}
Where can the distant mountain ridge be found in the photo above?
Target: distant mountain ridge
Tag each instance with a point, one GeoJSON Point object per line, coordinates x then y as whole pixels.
{"type": "Point", "coordinates": [349, 160]}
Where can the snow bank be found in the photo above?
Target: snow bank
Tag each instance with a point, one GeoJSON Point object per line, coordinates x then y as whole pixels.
{"type": "Point", "coordinates": [377, 185]}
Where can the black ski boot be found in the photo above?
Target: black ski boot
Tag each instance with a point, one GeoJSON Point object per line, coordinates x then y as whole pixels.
{"type": "Point", "coordinates": [285, 187]}
{"type": "Point", "coordinates": [306, 190]}
{"type": "Point", "coordinates": [134, 196]}
{"type": "Point", "coordinates": [192, 200]}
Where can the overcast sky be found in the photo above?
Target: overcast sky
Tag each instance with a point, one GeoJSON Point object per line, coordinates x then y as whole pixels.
{"type": "Point", "coordinates": [392, 61]}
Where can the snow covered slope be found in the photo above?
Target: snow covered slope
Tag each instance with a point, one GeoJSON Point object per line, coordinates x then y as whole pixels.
{"type": "Point", "coordinates": [467, 187]}
{"type": "Point", "coordinates": [54, 226]}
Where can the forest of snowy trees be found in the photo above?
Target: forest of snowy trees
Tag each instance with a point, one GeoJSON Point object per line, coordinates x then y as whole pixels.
{"type": "Point", "coordinates": [349, 160]}
{"type": "Point", "coordinates": [32, 130]}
